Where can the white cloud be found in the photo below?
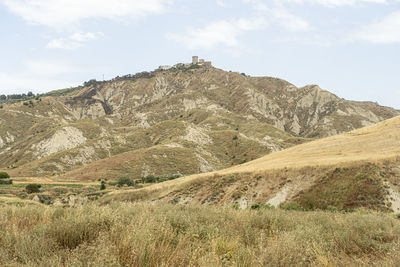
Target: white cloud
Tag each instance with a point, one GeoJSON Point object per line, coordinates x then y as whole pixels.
{"type": "Point", "coordinates": [288, 20]}
{"type": "Point", "coordinates": [227, 32]}
{"type": "Point", "coordinates": [61, 14]}
{"type": "Point", "coordinates": [277, 13]}
{"type": "Point", "coordinates": [383, 31]}
{"type": "Point", "coordinates": [217, 33]}
{"type": "Point", "coordinates": [337, 3]}
{"type": "Point", "coordinates": [73, 41]}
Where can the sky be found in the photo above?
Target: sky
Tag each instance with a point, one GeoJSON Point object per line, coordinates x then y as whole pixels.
{"type": "Point", "coordinates": [348, 47]}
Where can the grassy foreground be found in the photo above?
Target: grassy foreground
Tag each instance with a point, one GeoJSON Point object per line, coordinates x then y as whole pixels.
{"type": "Point", "coordinates": [124, 234]}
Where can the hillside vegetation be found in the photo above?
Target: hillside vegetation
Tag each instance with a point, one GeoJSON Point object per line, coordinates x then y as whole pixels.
{"type": "Point", "coordinates": [200, 119]}
{"type": "Point", "coordinates": [356, 169]}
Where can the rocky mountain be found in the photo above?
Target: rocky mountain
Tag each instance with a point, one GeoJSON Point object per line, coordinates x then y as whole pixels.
{"type": "Point", "coordinates": [188, 120]}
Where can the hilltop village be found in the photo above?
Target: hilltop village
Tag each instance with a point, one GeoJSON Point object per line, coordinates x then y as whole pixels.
{"type": "Point", "coordinates": [195, 61]}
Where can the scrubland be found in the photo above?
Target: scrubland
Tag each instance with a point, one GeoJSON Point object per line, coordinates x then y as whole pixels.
{"type": "Point", "coordinates": [126, 234]}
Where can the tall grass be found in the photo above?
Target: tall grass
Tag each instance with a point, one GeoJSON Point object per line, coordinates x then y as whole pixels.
{"type": "Point", "coordinates": [122, 234]}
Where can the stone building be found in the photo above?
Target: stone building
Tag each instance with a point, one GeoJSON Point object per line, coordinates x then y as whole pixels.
{"type": "Point", "coordinates": [195, 61]}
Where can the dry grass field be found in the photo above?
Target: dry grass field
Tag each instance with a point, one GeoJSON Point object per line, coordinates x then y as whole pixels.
{"type": "Point", "coordinates": [373, 143]}
{"type": "Point", "coordinates": [147, 235]}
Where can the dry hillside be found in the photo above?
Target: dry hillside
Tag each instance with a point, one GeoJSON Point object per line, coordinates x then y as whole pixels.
{"type": "Point", "coordinates": [183, 121]}
{"type": "Point", "coordinates": [356, 169]}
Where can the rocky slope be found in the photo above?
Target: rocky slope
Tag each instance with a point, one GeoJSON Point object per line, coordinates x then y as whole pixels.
{"type": "Point", "coordinates": [178, 121]}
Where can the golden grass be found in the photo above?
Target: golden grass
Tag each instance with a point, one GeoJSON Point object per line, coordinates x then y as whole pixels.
{"type": "Point", "coordinates": [8, 199]}
{"type": "Point", "coordinates": [146, 235]}
{"type": "Point", "coordinates": [370, 144]}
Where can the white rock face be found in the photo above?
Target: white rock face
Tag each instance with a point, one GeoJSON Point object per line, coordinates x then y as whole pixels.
{"type": "Point", "coordinates": [10, 138]}
{"type": "Point", "coordinates": [85, 156]}
{"type": "Point", "coordinates": [143, 120]}
{"type": "Point", "coordinates": [280, 197]}
{"type": "Point", "coordinates": [161, 88]}
{"type": "Point", "coordinates": [204, 165]}
{"type": "Point", "coordinates": [197, 136]}
{"type": "Point", "coordinates": [64, 139]}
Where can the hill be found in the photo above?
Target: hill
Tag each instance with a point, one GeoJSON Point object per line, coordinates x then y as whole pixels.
{"type": "Point", "coordinates": [188, 120]}
{"type": "Point", "coordinates": [356, 169]}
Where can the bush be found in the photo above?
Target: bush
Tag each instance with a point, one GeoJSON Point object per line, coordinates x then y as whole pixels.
{"type": "Point", "coordinates": [33, 188]}
{"type": "Point", "coordinates": [103, 185]}
{"type": "Point", "coordinates": [125, 181]}
{"type": "Point", "coordinates": [4, 175]}
{"type": "Point", "coordinates": [265, 206]}
{"type": "Point", "coordinates": [149, 179]}
{"type": "Point", "coordinates": [6, 181]}
{"type": "Point", "coordinates": [159, 179]}
{"type": "Point", "coordinates": [290, 206]}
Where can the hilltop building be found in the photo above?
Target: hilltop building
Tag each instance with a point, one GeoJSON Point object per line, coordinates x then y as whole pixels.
{"type": "Point", "coordinates": [195, 61]}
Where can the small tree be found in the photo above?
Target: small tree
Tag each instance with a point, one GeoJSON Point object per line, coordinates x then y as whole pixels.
{"type": "Point", "coordinates": [5, 178]}
{"type": "Point", "coordinates": [103, 185]}
{"type": "Point", "coordinates": [4, 175]}
{"type": "Point", "coordinates": [125, 181]}
{"type": "Point", "coordinates": [33, 188]}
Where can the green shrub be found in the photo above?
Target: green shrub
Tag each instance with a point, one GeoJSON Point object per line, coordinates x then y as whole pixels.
{"type": "Point", "coordinates": [33, 188]}
{"type": "Point", "coordinates": [125, 181]}
{"type": "Point", "coordinates": [103, 185]}
{"type": "Point", "coordinates": [290, 206]}
{"type": "Point", "coordinates": [4, 175]}
{"type": "Point", "coordinates": [159, 179]}
{"type": "Point", "coordinates": [194, 66]}
{"type": "Point", "coordinates": [149, 179]}
{"type": "Point", "coordinates": [265, 206]}
{"type": "Point", "coordinates": [6, 181]}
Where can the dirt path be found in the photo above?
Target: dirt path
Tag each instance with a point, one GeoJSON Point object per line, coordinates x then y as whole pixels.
{"type": "Point", "coordinates": [48, 180]}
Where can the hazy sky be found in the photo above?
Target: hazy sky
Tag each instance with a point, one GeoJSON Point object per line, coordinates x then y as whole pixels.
{"type": "Point", "coordinates": [349, 47]}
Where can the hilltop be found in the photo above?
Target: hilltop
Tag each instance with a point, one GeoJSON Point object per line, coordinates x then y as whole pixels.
{"type": "Point", "coordinates": [185, 120]}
